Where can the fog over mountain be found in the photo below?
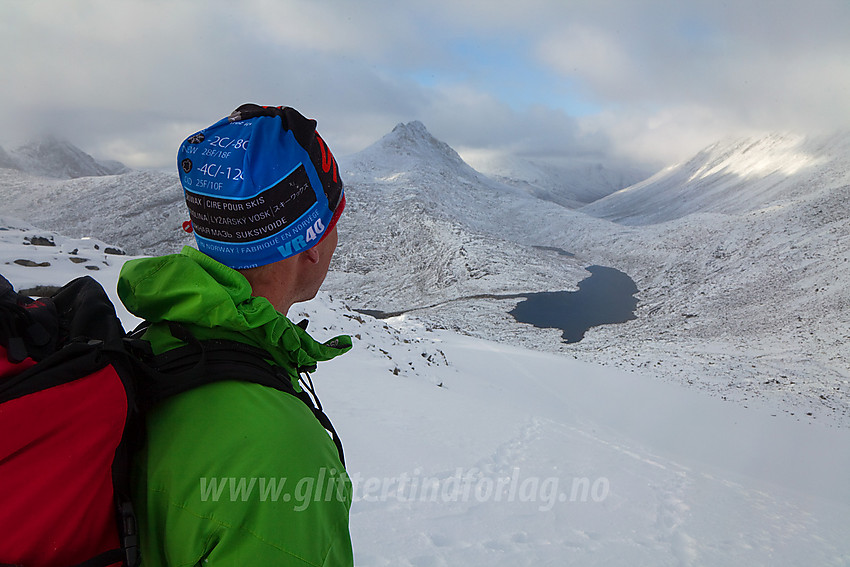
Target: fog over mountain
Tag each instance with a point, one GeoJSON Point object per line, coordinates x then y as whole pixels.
{"type": "Point", "coordinates": [570, 183]}
{"type": "Point", "coordinates": [739, 255]}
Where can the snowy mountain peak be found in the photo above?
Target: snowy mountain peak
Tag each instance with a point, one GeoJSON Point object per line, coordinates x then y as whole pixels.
{"type": "Point", "coordinates": [411, 155]}
{"type": "Point", "coordinates": [414, 138]}
{"type": "Point", "coordinates": [414, 128]}
{"type": "Point", "coordinates": [409, 147]}
{"type": "Point", "coordinates": [54, 157]}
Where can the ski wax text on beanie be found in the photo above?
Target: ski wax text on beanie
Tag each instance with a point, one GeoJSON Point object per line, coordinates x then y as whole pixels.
{"type": "Point", "coordinates": [260, 185]}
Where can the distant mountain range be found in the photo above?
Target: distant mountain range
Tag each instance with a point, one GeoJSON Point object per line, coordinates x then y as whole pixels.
{"type": "Point", "coordinates": [60, 159]}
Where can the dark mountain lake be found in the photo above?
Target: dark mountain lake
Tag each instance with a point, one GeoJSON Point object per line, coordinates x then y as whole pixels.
{"type": "Point", "coordinates": [606, 297]}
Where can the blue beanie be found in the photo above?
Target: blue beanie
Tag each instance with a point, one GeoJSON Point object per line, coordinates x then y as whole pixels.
{"type": "Point", "coordinates": [261, 185]}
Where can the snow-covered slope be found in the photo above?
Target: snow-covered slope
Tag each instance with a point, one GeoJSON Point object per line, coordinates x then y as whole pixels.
{"type": "Point", "coordinates": [733, 177]}
{"type": "Point", "coordinates": [475, 453]}
{"type": "Point", "coordinates": [53, 157]}
{"type": "Point", "coordinates": [144, 209]}
{"type": "Point", "coordinates": [742, 287]}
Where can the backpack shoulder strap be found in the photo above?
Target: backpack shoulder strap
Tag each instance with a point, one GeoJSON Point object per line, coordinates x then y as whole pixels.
{"type": "Point", "coordinates": [214, 360]}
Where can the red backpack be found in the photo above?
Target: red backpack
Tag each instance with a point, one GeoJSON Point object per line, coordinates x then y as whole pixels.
{"type": "Point", "coordinates": [67, 420]}
{"type": "Point", "coordinates": [71, 387]}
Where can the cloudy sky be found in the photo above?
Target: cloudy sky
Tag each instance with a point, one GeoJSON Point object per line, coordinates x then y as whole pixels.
{"type": "Point", "coordinates": [652, 80]}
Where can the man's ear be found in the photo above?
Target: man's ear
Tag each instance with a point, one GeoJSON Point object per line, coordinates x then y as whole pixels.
{"type": "Point", "coordinates": [311, 255]}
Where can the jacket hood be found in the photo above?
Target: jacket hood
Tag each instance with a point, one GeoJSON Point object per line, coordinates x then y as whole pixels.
{"type": "Point", "coordinates": [215, 301]}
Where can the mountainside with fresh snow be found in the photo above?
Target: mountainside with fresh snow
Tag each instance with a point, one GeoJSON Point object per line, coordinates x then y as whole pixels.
{"type": "Point", "coordinates": [144, 209]}
{"type": "Point", "coordinates": [741, 290]}
{"type": "Point", "coordinates": [406, 241]}
{"type": "Point", "coordinates": [733, 177]}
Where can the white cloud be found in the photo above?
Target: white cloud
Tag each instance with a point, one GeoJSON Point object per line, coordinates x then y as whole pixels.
{"type": "Point", "coordinates": [127, 76]}
{"type": "Point", "coordinates": [663, 137]}
{"type": "Point", "coordinates": [596, 55]}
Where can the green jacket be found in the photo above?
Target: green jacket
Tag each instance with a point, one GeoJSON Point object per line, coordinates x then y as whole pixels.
{"type": "Point", "coordinates": [233, 473]}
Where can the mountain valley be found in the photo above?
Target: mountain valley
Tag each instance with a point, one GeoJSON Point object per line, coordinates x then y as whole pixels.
{"type": "Point", "coordinates": [739, 255]}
